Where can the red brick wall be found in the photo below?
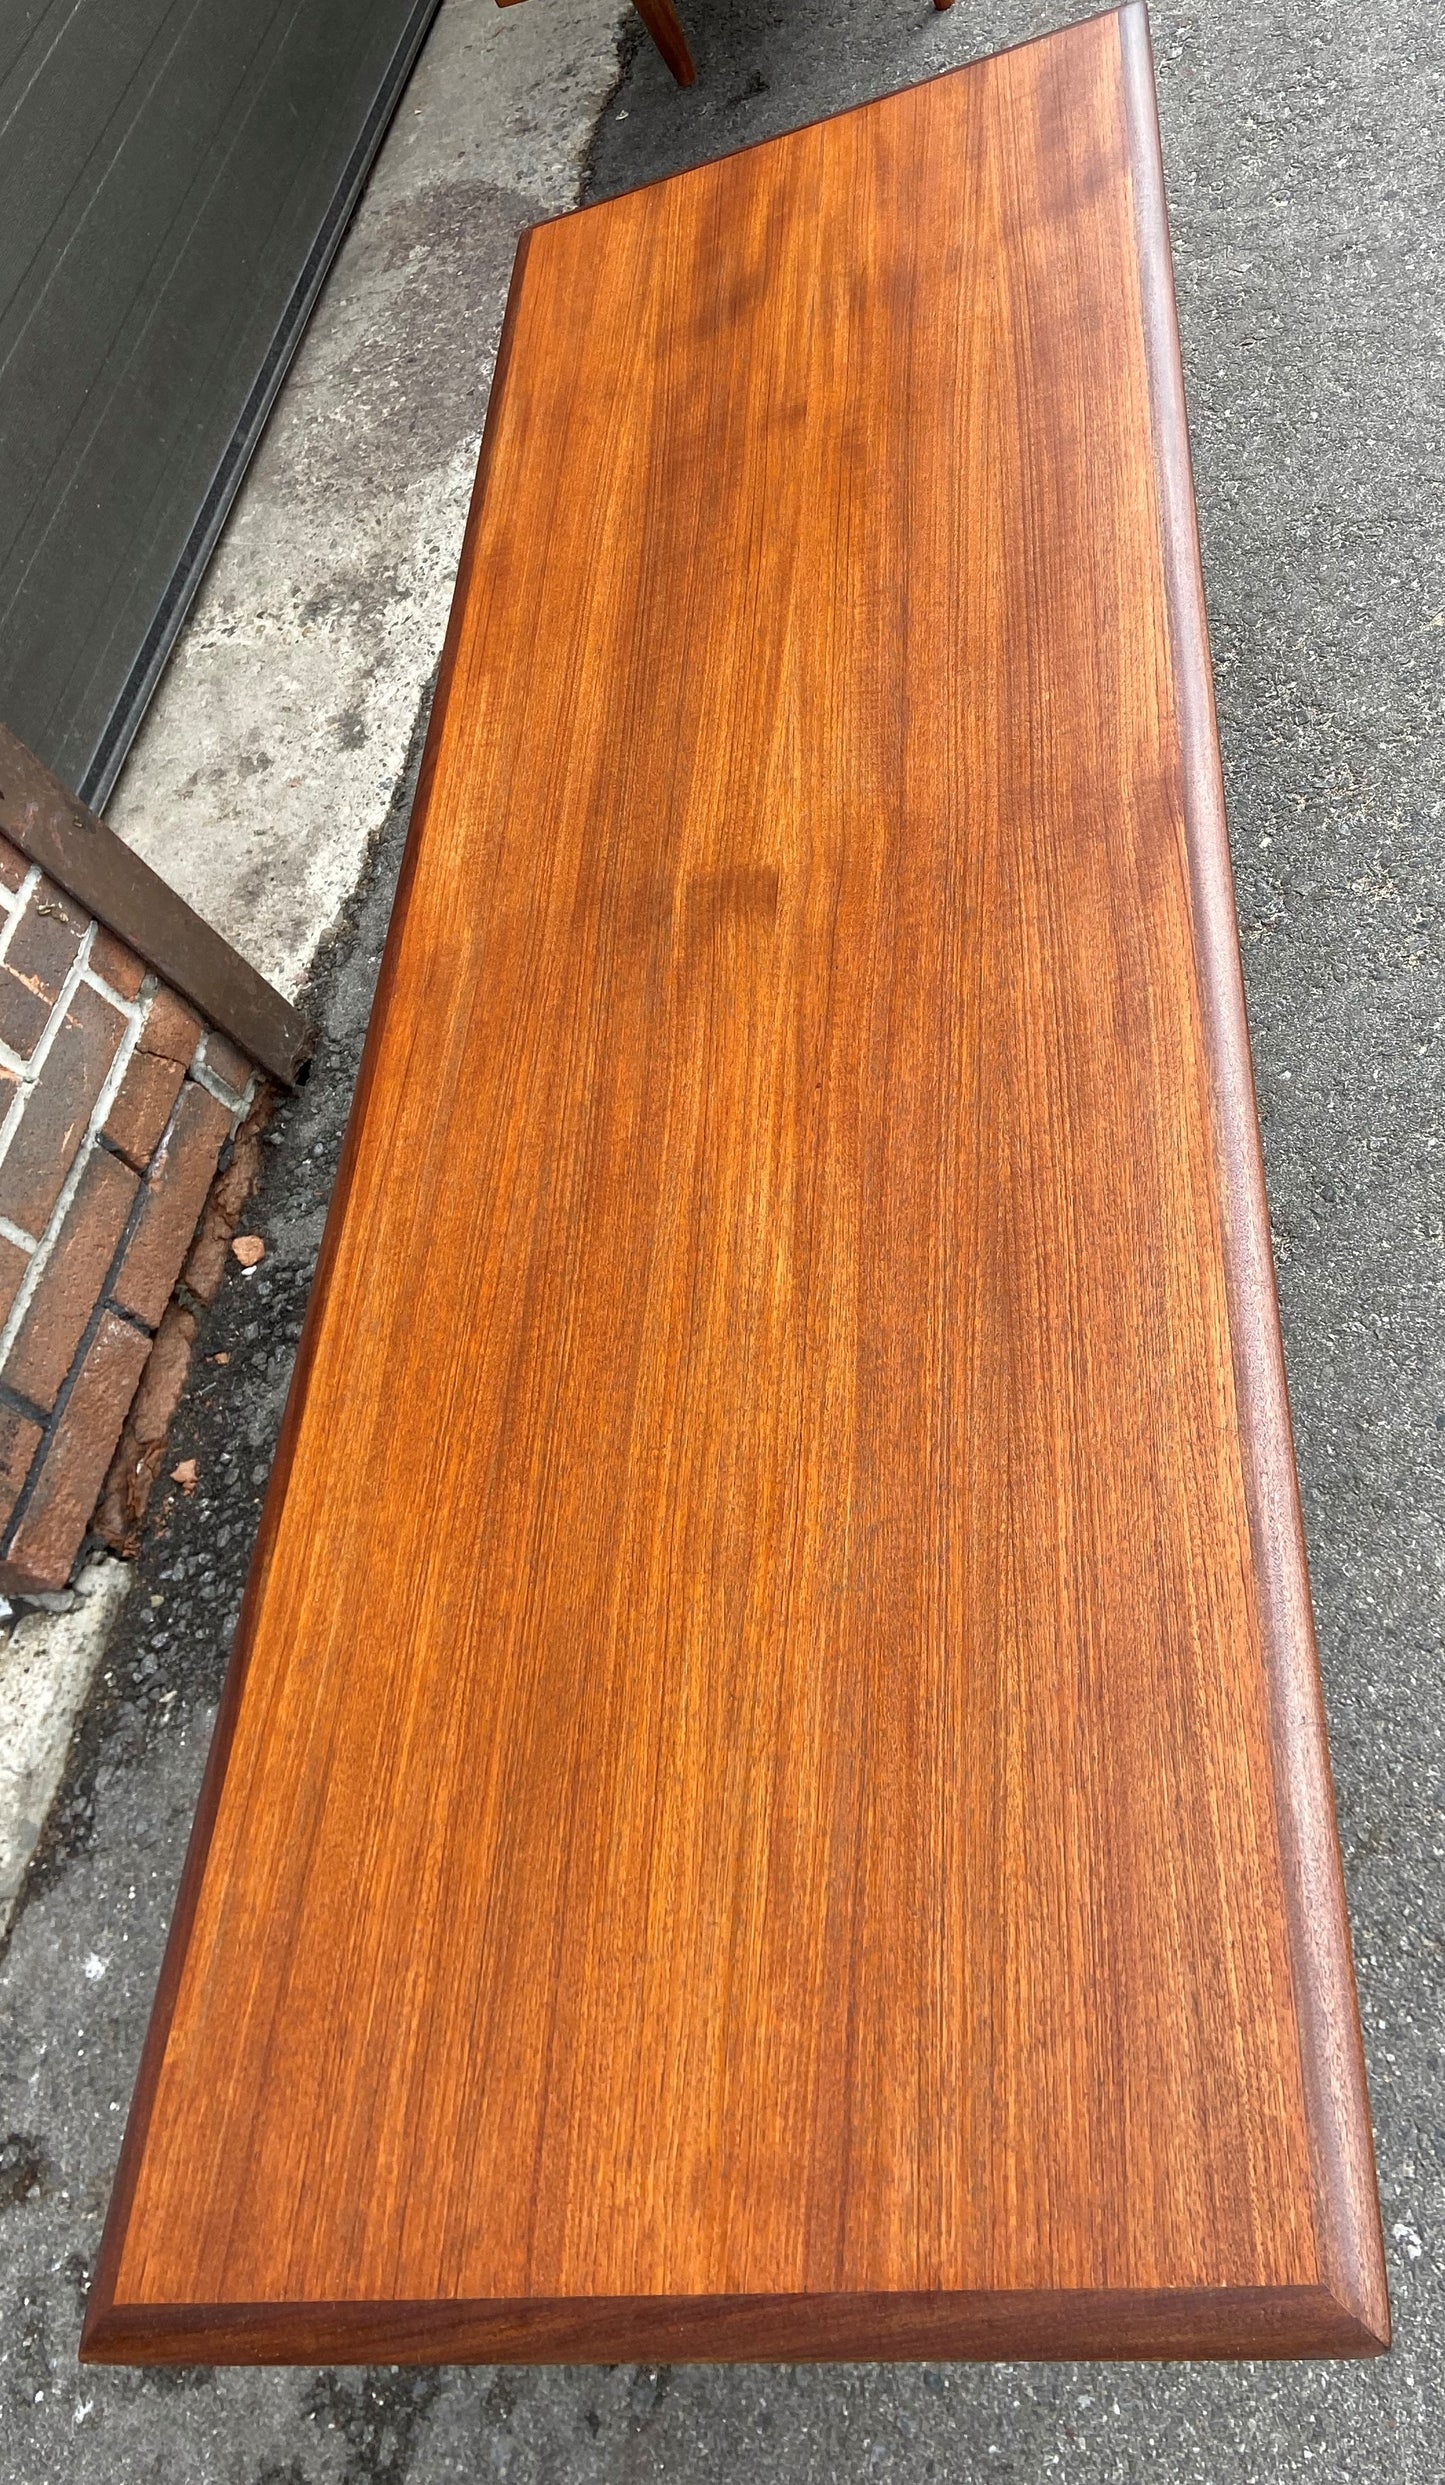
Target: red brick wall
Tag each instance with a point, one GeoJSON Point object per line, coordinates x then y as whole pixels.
{"type": "Point", "coordinates": [116, 1107]}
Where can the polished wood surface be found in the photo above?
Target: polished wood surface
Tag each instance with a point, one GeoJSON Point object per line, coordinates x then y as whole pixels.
{"type": "Point", "coordinates": [772, 1797]}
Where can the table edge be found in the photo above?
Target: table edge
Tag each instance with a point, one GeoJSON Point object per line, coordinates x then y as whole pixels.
{"type": "Point", "coordinates": [1347, 2212]}
{"type": "Point", "coordinates": [101, 2302]}
{"type": "Point", "coordinates": [980, 2326]}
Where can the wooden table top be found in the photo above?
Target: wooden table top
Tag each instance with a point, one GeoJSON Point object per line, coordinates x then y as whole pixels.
{"type": "Point", "coordinates": [772, 1797]}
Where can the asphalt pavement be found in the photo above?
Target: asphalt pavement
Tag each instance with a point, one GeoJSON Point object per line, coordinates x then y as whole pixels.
{"type": "Point", "coordinates": [1305, 166]}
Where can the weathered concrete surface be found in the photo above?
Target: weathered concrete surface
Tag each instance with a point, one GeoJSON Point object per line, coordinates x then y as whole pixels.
{"type": "Point", "coordinates": [1305, 162]}
{"type": "Point", "coordinates": [269, 757]}
{"type": "Point", "coordinates": [47, 1665]}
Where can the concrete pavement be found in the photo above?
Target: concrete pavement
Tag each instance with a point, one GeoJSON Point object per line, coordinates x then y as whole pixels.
{"type": "Point", "coordinates": [1306, 170]}
{"type": "Point", "coordinates": [267, 762]}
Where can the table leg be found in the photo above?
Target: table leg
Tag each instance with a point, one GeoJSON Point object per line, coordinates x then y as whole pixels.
{"type": "Point", "coordinates": [665, 27]}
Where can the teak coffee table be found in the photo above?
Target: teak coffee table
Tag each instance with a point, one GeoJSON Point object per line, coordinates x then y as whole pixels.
{"type": "Point", "coordinates": [772, 1797]}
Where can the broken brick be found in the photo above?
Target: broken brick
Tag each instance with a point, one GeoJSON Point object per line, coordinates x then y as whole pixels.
{"type": "Point", "coordinates": [52, 1527]}
{"type": "Point", "coordinates": [46, 941]}
{"type": "Point", "coordinates": [206, 1264]}
{"type": "Point", "coordinates": [72, 1281]}
{"type": "Point", "coordinates": [13, 1264]}
{"type": "Point", "coordinates": [24, 1016]}
{"type": "Point", "coordinates": [170, 1029]}
{"type": "Point", "coordinates": [57, 1111]}
{"type": "Point", "coordinates": [13, 866]}
{"type": "Point", "coordinates": [175, 1193]}
{"type": "Point", "coordinates": [226, 1062]}
{"type": "Point", "coordinates": [137, 1462]}
{"type": "Point", "coordinates": [19, 1440]}
{"type": "Point", "coordinates": [205, 1267]}
{"type": "Point", "coordinates": [142, 1108]}
{"type": "Point", "coordinates": [115, 964]}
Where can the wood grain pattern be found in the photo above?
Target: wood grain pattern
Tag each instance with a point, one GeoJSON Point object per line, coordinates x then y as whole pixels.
{"type": "Point", "coordinates": [792, 1818]}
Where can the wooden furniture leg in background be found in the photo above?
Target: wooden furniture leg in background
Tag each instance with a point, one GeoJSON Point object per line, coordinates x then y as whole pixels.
{"type": "Point", "coordinates": [665, 27]}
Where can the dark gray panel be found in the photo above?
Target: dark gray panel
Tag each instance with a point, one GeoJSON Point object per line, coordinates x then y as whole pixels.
{"type": "Point", "coordinates": [174, 176]}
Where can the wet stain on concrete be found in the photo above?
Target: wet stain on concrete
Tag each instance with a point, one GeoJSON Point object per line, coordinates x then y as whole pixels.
{"type": "Point", "coordinates": [24, 2168]}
